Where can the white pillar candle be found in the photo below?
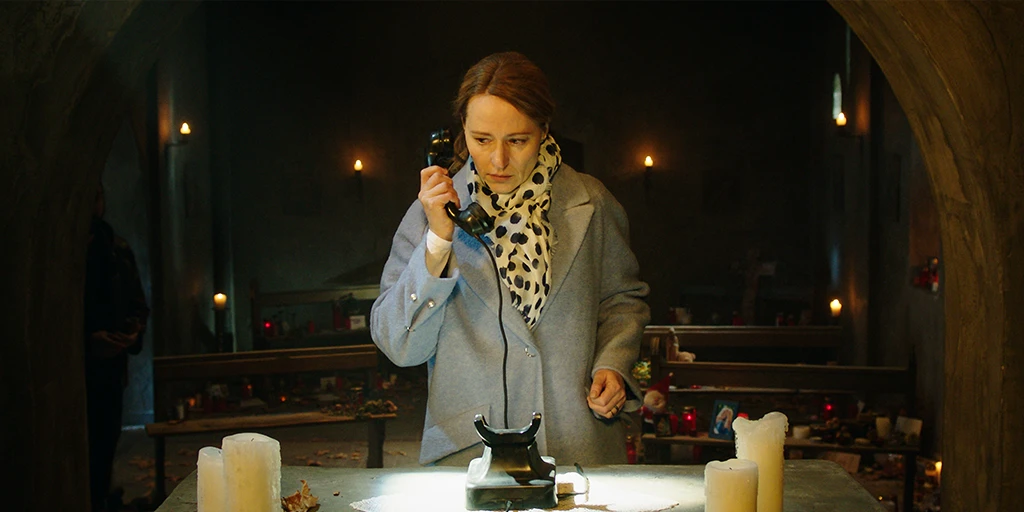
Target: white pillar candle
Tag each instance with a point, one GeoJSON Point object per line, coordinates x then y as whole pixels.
{"type": "Point", "coordinates": [762, 441]}
{"type": "Point", "coordinates": [883, 427]}
{"type": "Point", "coordinates": [211, 489]}
{"type": "Point", "coordinates": [801, 432]}
{"type": "Point", "coordinates": [730, 486]}
{"type": "Point", "coordinates": [252, 468]}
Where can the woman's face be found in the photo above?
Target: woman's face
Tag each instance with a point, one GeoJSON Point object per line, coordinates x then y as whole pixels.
{"type": "Point", "coordinates": [502, 141]}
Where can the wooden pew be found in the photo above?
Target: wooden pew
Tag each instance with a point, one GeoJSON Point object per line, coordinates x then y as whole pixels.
{"type": "Point", "coordinates": [262, 362]}
{"type": "Point", "coordinates": [795, 378]}
{"type": "Point", "coordinates": [789, 344]}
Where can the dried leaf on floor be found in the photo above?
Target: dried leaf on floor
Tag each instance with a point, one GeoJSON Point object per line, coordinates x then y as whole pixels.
{"type": "Point", "coordinates": [356, 456]}
{"type": "Point", "coordinates": [183, 451]}
{"type": "Point", "coordinates": [300, 457]}
{"type": "Point", "coordinates": [337, 493]}
{"type": "Point", "coordinates": [339, 456]}
{"type": "Point", "coordinates": [312, 462]}
{"type": "Point", "coordinates": [302, 501]}
{"type": "Point", "coordinates": [142, 463]}
{"type": "Point", "coordinates": [174, 478]}
{"type": "Point", "coordinates": [322, 452]}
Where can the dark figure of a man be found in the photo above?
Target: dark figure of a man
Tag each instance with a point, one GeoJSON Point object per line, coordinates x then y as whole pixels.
{"type": "Point", "coordinates": [115, 320]}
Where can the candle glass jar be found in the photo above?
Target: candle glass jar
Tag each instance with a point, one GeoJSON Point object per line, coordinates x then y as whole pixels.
{"type": "Point", "coordinates": [688, 422]}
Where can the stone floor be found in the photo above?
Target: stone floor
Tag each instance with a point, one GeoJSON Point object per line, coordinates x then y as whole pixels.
{"type": "Point", "coordinates": [331, 446]}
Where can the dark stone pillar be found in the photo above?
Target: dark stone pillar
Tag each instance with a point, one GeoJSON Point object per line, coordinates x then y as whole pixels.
{"type": "Point", "coordinates": [957, 69]}
{"type": "Point", "coordinates": [64, 87]}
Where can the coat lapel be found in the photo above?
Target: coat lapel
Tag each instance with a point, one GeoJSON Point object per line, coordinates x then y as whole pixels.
{"type": "Point", "coordinates": [569, 215]}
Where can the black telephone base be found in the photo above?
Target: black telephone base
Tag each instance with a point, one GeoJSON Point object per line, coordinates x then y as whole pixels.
{"type": "Point", "coordinates": [510, 470]}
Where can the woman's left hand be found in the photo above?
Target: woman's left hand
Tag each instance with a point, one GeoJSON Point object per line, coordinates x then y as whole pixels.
{"type": "Point", "coordinates": [607, 393]}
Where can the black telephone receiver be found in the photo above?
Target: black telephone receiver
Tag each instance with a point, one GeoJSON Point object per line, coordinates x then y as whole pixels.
{"type": "Point", "coordinates": [441, 151]}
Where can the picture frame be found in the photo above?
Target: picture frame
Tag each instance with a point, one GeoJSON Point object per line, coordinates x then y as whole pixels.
{"type": "Point", "coordinates": [722, 416]}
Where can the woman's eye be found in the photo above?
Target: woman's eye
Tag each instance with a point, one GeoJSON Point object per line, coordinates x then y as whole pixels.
{"type": "Point", "coordinates": [517, 142]}
{"type": "Point", "coordinates": [481, 141]}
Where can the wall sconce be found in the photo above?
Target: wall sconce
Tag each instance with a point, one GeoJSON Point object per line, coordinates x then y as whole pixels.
{"type": "Point", "coordinates": [842, 127]}
{"type": "Point", "coordinates": [358, 172]}
{"type": "Point", "coordinates": [220, 302]}
{"type": "Point", "coordinates": [224, 342]}
{"type": "Point", "coordinates": [648, 165]}
{"type": "Point", "coordinates": [185, 131]}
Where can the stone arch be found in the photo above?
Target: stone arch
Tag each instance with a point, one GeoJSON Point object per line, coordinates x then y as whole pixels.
{"type": "Point", "coordinates": [73, 68]}
{"type": "Point", "coordinates": [957, 69]}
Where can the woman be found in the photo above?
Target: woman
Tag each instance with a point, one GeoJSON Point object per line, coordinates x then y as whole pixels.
{"type": "Point", "coordinates": [572, 304]}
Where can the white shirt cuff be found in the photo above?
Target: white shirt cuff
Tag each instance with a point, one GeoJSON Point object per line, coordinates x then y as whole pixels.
{"type": "Point", "coordinates": [438, 251]}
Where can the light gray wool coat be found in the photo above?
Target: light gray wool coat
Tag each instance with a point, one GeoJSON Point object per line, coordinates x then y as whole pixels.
{"type": "Point", "coordinates": [593, 319]}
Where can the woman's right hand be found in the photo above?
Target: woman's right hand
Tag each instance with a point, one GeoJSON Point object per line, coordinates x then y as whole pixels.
{"type": "Point", "coordinates": [436, 190]}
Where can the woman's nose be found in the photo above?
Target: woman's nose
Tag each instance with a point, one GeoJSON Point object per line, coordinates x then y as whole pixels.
{"type": "Point", "coordinates": [499, 158]}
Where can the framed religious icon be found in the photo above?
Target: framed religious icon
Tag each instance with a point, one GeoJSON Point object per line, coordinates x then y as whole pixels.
{"type": "Point", "coordinates": [721, 419]}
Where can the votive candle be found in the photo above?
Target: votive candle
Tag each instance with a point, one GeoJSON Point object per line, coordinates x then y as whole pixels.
{"type": "Point", "coordinates": [211, 488]}
{"type": "Point", "coordinates": [801, 432]}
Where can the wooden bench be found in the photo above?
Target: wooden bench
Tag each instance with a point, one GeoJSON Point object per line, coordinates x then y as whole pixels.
{"type": "Point", "coordinates": [238, 364]}
{"type": "Point", "coordinates": [789, 344]}
{"type": "Point", "coordinates": [792, 378]}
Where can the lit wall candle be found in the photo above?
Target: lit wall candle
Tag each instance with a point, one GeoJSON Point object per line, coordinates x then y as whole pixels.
{"type": "Point", "coordinates": [220, 301]}
{"type": "Point", "coordinates": [252, 469]}
{"type": "Point", "coordinates": [762, 442]}
{"type": "Point", "coordinates": [211, 489]}
{"type": "Point", "coordinates": [836, 307]}
{"type": "Point", "coordinates": [730, 486]}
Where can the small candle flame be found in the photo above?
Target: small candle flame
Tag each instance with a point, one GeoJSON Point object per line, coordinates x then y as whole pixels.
{"type": "Point", "coordinates": [185, 130]}
{"type": "Point", "coordinates": [841, 119]}
{"type": "Point", "coordinates": [836, 307]}
{"type": "Point", "coordinates": [358, 166]}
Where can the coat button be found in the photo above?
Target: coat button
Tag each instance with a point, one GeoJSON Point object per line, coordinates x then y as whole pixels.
{"type": "Point", "coordinates": [528, 353]}
{"type": "Point", "coordinates": [430, 303]}
{"type": "Point", "coordinates": [413, 297]}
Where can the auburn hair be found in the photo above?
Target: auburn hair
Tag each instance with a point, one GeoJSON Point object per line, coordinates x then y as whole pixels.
{"type": "Point", "coordinates": [512, 77]}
